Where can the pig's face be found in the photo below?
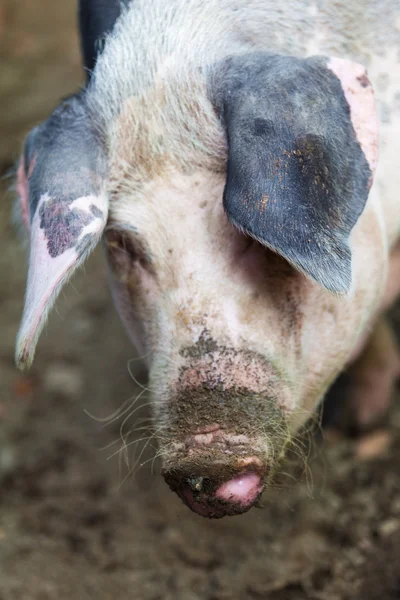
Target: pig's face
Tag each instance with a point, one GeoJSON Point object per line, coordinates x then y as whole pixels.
{"type": "Point", "coordinates": [240, 346]}
{"type": "Point", "coordinates": [212, 312]}
{"type": "Point", "coordinates": [223, 274]}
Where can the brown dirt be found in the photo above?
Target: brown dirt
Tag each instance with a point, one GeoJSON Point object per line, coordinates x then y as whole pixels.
{"type": "Point", "coordinates": [71, 525]}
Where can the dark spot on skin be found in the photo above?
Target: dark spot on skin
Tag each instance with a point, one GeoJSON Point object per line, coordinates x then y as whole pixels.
{"type": "Point", "coordinates": [363, 80]}
{"type": "Point", "coordinates": [203, 204]}
{"type": "Point", "coordinates": [203, 346]}
{"type": "Point", "coordinates": [62, 225]}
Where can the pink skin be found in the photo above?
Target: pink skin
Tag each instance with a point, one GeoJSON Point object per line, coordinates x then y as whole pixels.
{"type": "Point", "coordinates": [23, 193]}
{"type": "Point", "coordinates": [217, 435]}
{"type": "Point", "coordinates": [197, 507]}
{"type": "Point", "coordinates": [360, 97]}
{"type": "Point", "coordinates": [44, 277]}
{"type": "Point", "coordinates": [242, 490]}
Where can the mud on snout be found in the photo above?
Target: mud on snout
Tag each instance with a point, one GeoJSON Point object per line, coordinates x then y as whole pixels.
{"type": "Point", "coordinates": [222, 443]}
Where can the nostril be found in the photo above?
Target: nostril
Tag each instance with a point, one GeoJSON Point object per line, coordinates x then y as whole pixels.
{"type": "Point", "coordinates": [197, 484]}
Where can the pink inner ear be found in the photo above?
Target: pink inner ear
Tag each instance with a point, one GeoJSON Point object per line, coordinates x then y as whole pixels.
{"type": "Point", "coordinates": [23, 193]}
{"type": "Point", "coordinates": [45, 277]}
{"type": "Point", "coordinates": [360, 97]}
{"type": "Point", "coordinates": [48, 273]}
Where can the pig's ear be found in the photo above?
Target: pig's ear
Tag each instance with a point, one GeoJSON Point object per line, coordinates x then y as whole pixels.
{"type": "Point", "coordinates": [96, 19]}
{"type": "Point", "coordinates": [302, 149]}
{"type": "Point", "coordinates": [63, 202]}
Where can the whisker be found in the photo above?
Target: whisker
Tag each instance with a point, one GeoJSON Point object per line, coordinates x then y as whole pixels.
{"type": "Point", "coordinates": [131, 472]}
{"type": "Point", "coordinates": [121, 429]}
{"type": "Point", "coordinates": [144, 448]}
{"type": "Point", "coordinates": [115, 414]}
{"type": "Point", "coordinates": [107, 446]}
{"type": "Point", "coordinates": [122, 411]}
{"type": "Point", "coordinates": [288, 475]}
{"type": "Point", "coordinates": [138, 358]}
{"type": "Point", "coordinates": [118, 440]}
{"type": "Point", "coordinates": [152, 465]}
{"type": "Point", "coordinates": [158, 454]}
{"type": "Point", "coordinates": [126, 446]}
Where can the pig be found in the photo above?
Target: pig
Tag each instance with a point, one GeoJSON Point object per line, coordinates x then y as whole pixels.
{"type": "Point", "coordinates": [226, 154]}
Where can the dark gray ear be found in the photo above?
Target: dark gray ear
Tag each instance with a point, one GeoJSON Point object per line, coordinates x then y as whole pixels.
{"type": "Point", "coordinates": [96, 19]}
{"type": "Point", "coordinates": [297, 176]}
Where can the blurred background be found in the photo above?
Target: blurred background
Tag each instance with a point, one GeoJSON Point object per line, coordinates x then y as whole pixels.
{"type": "Point", "coordinates": [74, 522]}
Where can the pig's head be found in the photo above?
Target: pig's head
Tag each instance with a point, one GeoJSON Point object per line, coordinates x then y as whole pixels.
{"type": "Point", "coordinates": [228, 242]}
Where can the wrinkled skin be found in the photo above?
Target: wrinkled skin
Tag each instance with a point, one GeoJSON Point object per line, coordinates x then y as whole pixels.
{"type": "Point", "coordinates": [246, 298]}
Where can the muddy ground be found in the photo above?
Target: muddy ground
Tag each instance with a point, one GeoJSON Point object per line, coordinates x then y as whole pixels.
{"type": "Point", "coordinates": [73, 523]}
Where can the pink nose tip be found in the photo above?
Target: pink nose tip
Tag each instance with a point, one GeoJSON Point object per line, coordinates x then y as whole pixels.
{"type": "Point", "coordinates": [243, 489]}
{"type": "Point", "coordinates": [232, 497]}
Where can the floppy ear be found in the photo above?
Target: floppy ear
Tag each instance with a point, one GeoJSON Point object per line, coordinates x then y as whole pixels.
{"type": "Point", "coordinates": [63, 202]}
{"type": "Point", "coordinates": [302, 148]}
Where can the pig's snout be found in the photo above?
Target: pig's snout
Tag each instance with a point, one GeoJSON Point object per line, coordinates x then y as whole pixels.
{"type": "Point", "coordinates": [214, 485]}
{"type": "Point", "coordinates": [224, 428]}
{"type": "Point", "coordinates": [214, 496]}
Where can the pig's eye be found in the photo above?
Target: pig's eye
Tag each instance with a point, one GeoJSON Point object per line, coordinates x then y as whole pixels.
{"type": "Point", "coordinates": [121, 250]}
{"type": "Point", "coordinates": [124, 252]}
{"type": "Point", "coordinates": [118, 241]}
